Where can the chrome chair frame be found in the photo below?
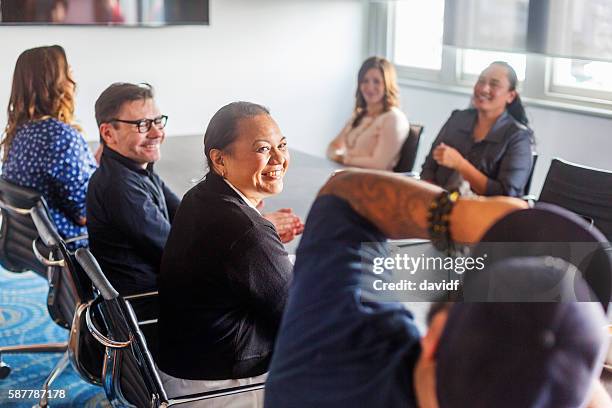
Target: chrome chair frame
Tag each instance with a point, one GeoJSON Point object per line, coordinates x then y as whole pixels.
{"type": "Point", "coordinates": [69, 293]}
{"type": "Point", "coordinates": [124, 336]}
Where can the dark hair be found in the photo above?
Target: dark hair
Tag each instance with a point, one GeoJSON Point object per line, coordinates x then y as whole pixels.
{"type": "Point", "coordinates": [221, 131]}
{"type": "Point", "coordinates": [391, 98]}
{"type": "Point", "coordinates": [111, 100]}
{"type": "Point", "coordinates": [42, 88]}
{"type": "Point", "coordinates": [515, 108]}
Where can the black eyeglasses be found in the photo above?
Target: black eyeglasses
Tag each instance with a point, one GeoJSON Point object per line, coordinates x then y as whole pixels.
{"type": "Point", "coordinates": [144, 125]}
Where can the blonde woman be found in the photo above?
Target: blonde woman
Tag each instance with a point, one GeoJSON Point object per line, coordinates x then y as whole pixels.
{"type": "Point", "coordinates": [377, 129]}
{"type": "Point", "coordinates": [42, 148]}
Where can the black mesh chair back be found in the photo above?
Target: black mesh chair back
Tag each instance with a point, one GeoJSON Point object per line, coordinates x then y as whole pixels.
{"type": "Point", "coordinates": [409, 149]}
{"type": "Point", "coordinates": [130, 376]}
{"type": "Point", "coordinates": [584, 190]}
{"type": "Point", "coordinates": [534, 160]}
{"type": "Point", "coordinates": [17, 231]}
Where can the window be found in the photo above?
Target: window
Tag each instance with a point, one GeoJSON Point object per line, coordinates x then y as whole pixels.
{"type": "Point", "coordinates": [417, 30]}
{"type": "Point", "coordinates": [472, 62]}
{"type": "Point", "coordinates": [418, 34]}
{"type": "Point", "coordinates": [583, 28]}
{"type": "Point", "coordinates": [581, 77]}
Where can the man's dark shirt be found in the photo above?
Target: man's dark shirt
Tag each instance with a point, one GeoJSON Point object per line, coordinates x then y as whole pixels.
{"type": "Point", "coordinates": [504, 155]}
{"type": "Point", "coordinates": [338, 346]}
{"type": "Point", "coordinates": [129, 212]}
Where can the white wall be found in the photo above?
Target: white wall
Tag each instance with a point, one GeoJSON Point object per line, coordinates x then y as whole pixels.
{"type": "Point", "coordinates": [575, 137]}
{"type": "Point", "coordinates": [298, 57]}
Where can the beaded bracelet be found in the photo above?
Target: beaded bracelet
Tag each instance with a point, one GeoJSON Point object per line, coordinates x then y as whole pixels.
{"type": "Point", "coordinates": [438, 219]}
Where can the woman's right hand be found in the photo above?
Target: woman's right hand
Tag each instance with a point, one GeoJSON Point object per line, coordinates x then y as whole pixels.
{"type": "Point", "coordinates": [337, 156]}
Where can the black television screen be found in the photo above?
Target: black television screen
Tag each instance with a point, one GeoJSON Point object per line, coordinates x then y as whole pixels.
{"type": "Point", "coordinates": [104, 12]}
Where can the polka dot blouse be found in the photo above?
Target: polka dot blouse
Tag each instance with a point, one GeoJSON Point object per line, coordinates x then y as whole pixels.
{"type": "Point", "coordinates": [54, 159]}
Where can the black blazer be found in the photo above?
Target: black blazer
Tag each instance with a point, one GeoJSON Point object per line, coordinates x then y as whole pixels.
{"type": "Point", "coordinates": [223, 286]}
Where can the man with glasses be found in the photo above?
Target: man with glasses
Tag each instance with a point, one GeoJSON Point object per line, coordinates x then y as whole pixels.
{"type": "Point", "coordinates": [129, 208]}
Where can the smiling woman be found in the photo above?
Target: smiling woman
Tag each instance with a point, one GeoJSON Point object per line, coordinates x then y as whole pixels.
{"type": "Point", "coordinates": [374, 135]}
{"type": "Point", "coordinates": [489, 145]}
{"type": "Point", "coordinates": [225, 273]}
{"type": "Point", "coordinates": [257, 161]}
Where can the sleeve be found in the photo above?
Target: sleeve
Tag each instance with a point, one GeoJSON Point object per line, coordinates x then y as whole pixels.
{"type": "Point", "coordinates": [137, 216]}
{"type": "Point", "coordinates": [430, 166]}
{"type": "Point", "coordinates": [172, 201]}
{"type": "Point", "coordinates": [391, 136]}
{"type": "Point", "coordinates": [331, 253]}
{"type": "Point", "coordinates": [69, 170]}
{"type": "Point", "coordinates": [514, 168]}
{"type": "Point", "coordinates": [260, 269]}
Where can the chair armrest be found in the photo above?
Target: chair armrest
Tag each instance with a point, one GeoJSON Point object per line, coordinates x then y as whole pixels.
{"type": "Point", "coordinates": [143, 295]}
{"type": "Point", "coordinates": [530, 200]}
{"type": "Point", "coordinates": [77, 238]}
{"type": "Point", "coordinates": [215, 394]}
{"type": "Point", "coordinates": [412, 174]}
{"type": "Point", "coordinates": [105, 341]}
{"type": "Point", "coordinates": [46, 262]}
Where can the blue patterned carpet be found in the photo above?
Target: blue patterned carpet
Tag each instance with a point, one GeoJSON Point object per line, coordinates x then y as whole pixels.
{"type": "Point", "coordinates": [24, 320]}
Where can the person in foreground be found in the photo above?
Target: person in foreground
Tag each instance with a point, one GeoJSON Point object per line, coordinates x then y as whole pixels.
{"type": "Point", "coordinates": [42, 147]}
{"type": "Point", "coordinates": [225, 273]}
{"type": "Point", "coordinates": [374, 135]}
{"type": "Point", "coordinates": [488, 145]}
{"type": "Point", "coordinates": [339, 346]}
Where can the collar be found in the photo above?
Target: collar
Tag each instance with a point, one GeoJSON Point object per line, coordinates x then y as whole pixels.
{"type": "Point", "coordinates": [468, 122]}
{"type": "Point", "coordinates": [107, 152]}
{"type": "Point", "coordinates": [246, 200]}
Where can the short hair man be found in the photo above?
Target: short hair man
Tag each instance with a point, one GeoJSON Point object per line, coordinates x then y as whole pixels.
{"type": "Point", "coordinates": [129, 208]}
{"type": "Point", "coordinates": [340, 346]}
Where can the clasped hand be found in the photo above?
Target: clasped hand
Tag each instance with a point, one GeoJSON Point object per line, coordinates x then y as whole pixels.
{"type": "Point", "coordinates": [287, 224]}
{"type": "Point", "coordinates": [447, 156]}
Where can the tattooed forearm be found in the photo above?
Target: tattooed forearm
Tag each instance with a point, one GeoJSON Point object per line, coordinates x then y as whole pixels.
{"type": "Point", "coordinates": [396, 204]}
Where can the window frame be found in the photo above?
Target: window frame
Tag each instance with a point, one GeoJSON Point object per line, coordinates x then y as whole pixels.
{"type": "Point", "coordinates": [536, 90]}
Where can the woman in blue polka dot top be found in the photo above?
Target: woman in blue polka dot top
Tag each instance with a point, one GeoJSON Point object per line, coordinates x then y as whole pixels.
{"type": "Point", "coordinates": [42, 147]}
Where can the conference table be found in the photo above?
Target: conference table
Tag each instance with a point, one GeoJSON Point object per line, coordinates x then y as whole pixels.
{"type": "Point", "coordinates": [182, 166]}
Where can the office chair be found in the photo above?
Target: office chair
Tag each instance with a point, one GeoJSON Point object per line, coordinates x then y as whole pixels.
{"type": "Point", "coordinates": [534, 160]}
{"type": "Point", "coordinates": [584, 190]}
{"type": "Point", "coordinates": [130, 376]}
{"type": "Point", "coordinates": [409, 149]}
{"type": "Point", "coordinates": [69, 287]}
{"type": "Point", "coordinates": [551, 231]}
{"type": "Point", "coordinates": [17, 231]}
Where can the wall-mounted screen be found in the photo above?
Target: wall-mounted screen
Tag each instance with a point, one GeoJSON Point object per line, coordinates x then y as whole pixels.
{"type": "Point", "coordinates": [104, 12]}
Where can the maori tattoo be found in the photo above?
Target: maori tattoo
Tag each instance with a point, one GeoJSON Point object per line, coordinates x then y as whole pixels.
{"type": "Point", "coordinates": [396, 204]}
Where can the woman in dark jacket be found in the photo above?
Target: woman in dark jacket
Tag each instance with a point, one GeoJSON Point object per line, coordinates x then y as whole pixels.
{"type": "Point", "coordinates": [489, 145]}
{"type": "Point", "coordinates": [225, 273]}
